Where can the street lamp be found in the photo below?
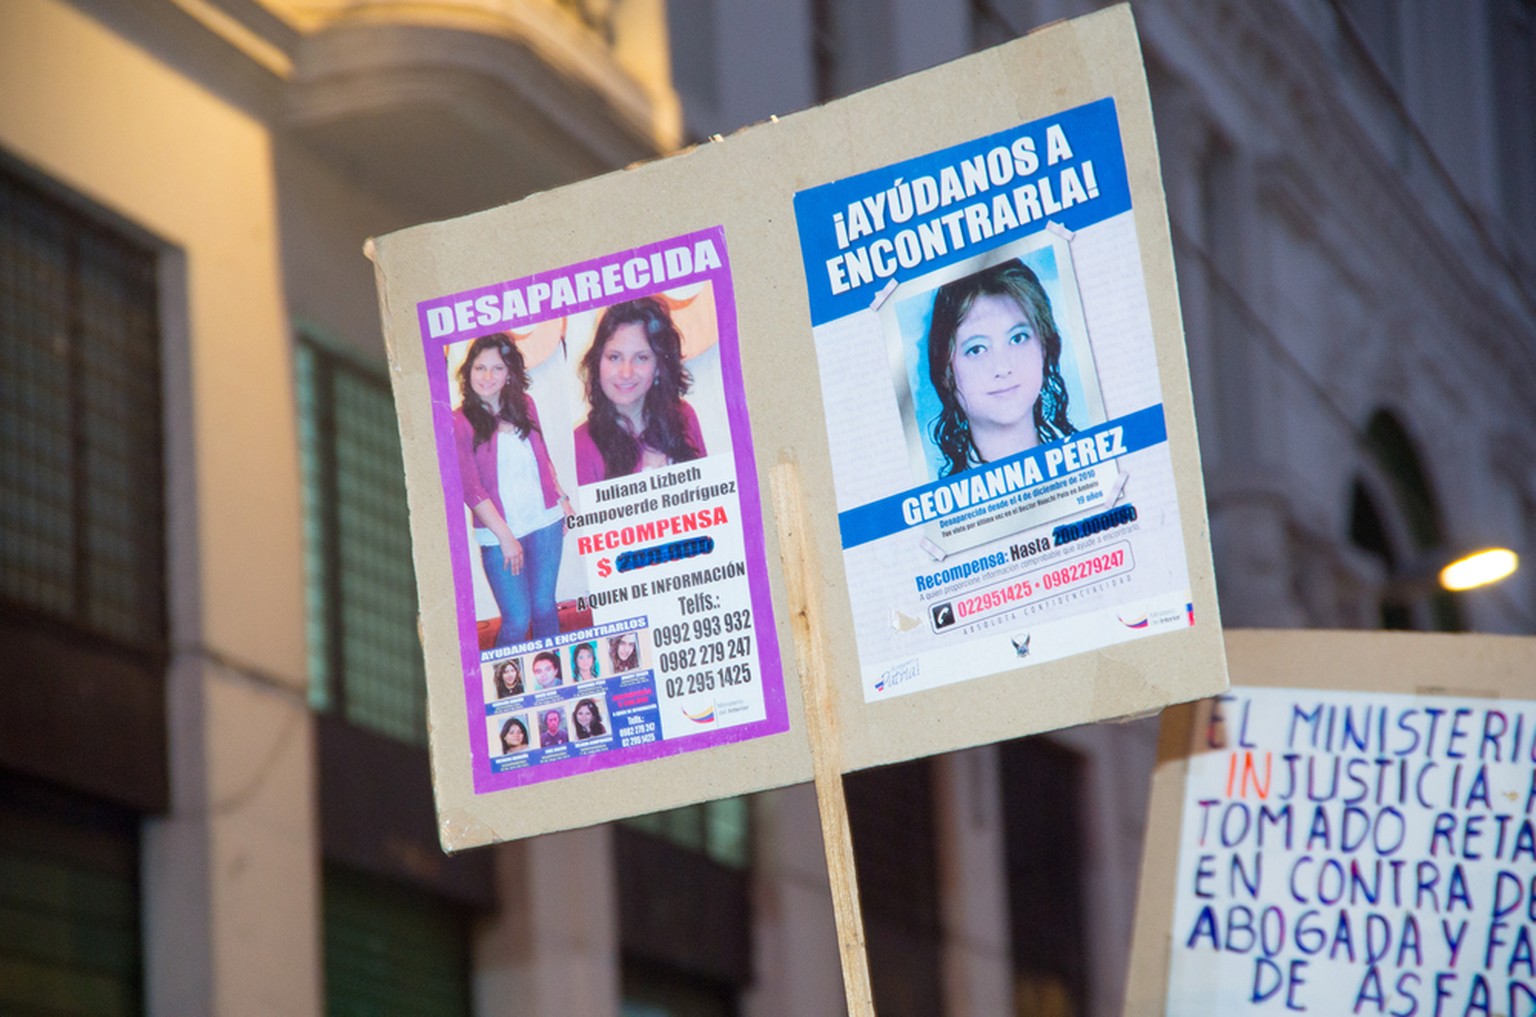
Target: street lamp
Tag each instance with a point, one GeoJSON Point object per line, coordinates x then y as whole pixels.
{"type": "Point", "coordinates": [1480, 568]}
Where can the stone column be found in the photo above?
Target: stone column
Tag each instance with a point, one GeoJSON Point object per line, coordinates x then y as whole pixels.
{"type": "Point", "coordinates": [795, 962]}
{"type": "Point", "coordinates": [973, 884]}
{"type": "Point", "coordinates": [231, 876]}
{"type": "Point", "coordinates": [553, 947]}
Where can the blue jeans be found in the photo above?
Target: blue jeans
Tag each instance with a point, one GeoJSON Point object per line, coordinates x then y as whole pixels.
{"type": "Point", "coordinates": [529, 595]}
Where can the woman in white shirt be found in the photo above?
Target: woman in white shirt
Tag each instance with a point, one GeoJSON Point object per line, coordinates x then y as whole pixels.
{"type": "Point", "coordinates": [510, 488]}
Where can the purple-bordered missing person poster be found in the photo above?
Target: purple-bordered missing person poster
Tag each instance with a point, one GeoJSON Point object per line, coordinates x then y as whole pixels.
{"type": "Point", "coordinates": [603, 514]}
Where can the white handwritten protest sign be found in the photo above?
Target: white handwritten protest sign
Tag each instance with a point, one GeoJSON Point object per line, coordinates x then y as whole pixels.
{"type": "Point", "coordinates": [1357, 836]}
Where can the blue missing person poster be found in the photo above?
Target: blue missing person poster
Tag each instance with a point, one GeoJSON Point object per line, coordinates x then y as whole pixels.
{"type": "Point", "coordinates": [1004, 483]}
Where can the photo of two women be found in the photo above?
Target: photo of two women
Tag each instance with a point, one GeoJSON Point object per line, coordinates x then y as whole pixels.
{"type": "Point", "coordinates": [541, 413]}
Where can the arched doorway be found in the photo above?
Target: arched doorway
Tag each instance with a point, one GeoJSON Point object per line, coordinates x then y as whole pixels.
{"type": "Point", "coordinates": [1395, 518]}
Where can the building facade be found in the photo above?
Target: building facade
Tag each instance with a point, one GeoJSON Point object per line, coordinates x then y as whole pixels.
{"type": "Point", "coordinates": [214, 795]}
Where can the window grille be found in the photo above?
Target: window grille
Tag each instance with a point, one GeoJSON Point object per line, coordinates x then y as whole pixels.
{"type": "Point", "coordinates": [365, 655]}
{"type": "Point", "coordinates": [69, 906]}
{"type": "Point", "coordinates": [81, 481]}
{"type": "Point", "coordinates": [390, 949]}
{"type": "Point", "coordinates": [719, 830]}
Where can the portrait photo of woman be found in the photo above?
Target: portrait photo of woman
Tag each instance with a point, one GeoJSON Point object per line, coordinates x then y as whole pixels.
{"type": "Point", "coordinates": [510, 488]}
{"type": "Point", "coordinates": [587, 719]}
{"type": "Point", "coordinates": [994, 359]}
{"type": "Point", "coordinates": [624, 652]}
{"type": "Point", "coordinates": [991, 357]}
{"type": "Point", "coordinates": [584, 662]}
{"type": "Point", "coordinates": [507, 677]}
{"type": "Point", "coordinates": [634, 380]}
{"type": "Point", "coordinates": [514, 736]}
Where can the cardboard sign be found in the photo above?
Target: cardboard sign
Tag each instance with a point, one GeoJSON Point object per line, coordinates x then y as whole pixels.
{"type": "Point", "coordinates": [1010, 496]}
{"type": "Point", "coordinates": [1351, 829]}
{"type": "Point", "coordinates": [594, 385]}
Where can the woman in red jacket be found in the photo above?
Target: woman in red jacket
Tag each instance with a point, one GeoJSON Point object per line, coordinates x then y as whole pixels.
{"type": "Point", "coordinates": [510, 488]}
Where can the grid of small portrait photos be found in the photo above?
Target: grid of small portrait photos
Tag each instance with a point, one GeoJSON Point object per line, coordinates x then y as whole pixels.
{"type": "Point", "coordinates": [566, 701]}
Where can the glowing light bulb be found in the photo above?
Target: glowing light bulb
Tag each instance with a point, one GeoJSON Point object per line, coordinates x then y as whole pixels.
{"type": "Point", "coordinates": [1479, 568]}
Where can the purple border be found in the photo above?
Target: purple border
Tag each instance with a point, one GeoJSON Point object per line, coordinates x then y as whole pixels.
{"type": "Point", "coordinates": [769, 662]}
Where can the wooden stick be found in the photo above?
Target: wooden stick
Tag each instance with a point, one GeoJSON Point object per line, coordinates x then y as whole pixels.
{"type": "Point", "coordinates": [802, 579]}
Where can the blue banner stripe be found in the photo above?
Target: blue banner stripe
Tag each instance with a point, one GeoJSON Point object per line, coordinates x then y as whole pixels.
{"type": "Point", "coordinates": [852, 218]}
{"type": "Point", "coordinates": [1139, 430]}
